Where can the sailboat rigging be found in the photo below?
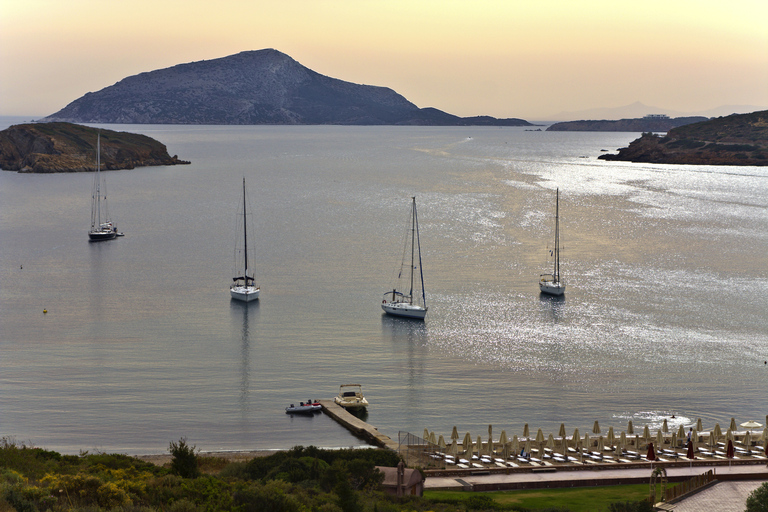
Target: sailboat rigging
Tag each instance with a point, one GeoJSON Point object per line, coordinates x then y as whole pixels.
{"type": "Point", "coordinates": [551, 283]}
{"type": "Point", "coordinates": [400, 303]}
{"type": "Point", "coordinates": [102, 227]}
{"type": "Point", "coordinates": [243, 287]}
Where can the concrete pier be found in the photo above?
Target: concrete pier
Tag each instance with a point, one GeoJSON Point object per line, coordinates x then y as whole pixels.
{"type": "Point", "coordinates": [357, 426]}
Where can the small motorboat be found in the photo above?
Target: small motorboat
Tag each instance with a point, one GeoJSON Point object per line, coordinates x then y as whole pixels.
{"type": "Point", "coordinates": [351, 397]}
{"type": "Point", "coordinates": [304, 407]}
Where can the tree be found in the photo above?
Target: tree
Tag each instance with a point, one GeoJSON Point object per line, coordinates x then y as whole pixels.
{"type": "Point", "coordinates": [184, 462]}
{"type": "Point", "coordinates": [758, 499]}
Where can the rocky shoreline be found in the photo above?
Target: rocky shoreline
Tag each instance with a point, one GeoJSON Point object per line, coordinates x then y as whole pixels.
{"type": "Point", "coordinates": [739, 139]}
{"type": "Point", "coordinates": [68, 147]}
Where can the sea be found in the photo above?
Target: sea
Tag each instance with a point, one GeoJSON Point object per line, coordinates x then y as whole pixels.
{"type": "Point", "coordinates": [126, 345]}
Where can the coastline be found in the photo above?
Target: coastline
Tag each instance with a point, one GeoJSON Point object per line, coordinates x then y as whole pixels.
{"type": "Point", "coordinates": [161, 459]}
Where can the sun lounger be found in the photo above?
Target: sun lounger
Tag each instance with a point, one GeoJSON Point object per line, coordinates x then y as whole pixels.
{"type": "Point", "coordinates": [558, 459]}
{"type": "Point", "coordinates": [450, 461]}
{"type": "Point", "coordinates": [590, 461]}
{"type": "Point", "coordinates": [477, 466]}
{"type": "Point", "coordinates": [758, 456]}
{"type": "Point", "coordinates": [464, 461]}
{"type": "Point", "coordinates": [547, 463]}
{"type": "Point", "coordinates": [534, 459]}
{"type": "Point", "coordinates": [463, 466]}
{"type": "Point", "coordinates": [625, 460]}
{"type": "Point", "coordinates": [499, 460]}
{"type": "Point", "coordinates": [512, 465]}
{"type": "Point", "coordinates": [534, 463]}
{"type": "Point", "coordinates": [501, 464]}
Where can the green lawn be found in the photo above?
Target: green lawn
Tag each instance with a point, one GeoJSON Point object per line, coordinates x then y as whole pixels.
{"type": "Point", "coordinates": [578, 499]}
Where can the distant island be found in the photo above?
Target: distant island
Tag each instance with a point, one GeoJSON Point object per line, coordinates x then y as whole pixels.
{"type": "Point", "coordinates": [739, 139]}
{"type": "Point", "coordinates": [67, 147]}
{"type": "Point", "coordinates": [254, 88]}
{"type": "Point", "coordinates": [650, 123]}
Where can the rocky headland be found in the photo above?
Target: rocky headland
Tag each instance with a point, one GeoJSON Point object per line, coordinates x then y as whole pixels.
{"type": "Point", "coordinates": [642, 124]}
{"type": "Point", "coordinates": [254, 87]}
{"type": "Point", "coordinates": [67, 147]}
{"type": "Point", "coordinates": [739, 139]}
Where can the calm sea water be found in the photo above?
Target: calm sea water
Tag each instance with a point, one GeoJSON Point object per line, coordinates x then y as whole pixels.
{"type": "Point", "coordinates": [665, 311]}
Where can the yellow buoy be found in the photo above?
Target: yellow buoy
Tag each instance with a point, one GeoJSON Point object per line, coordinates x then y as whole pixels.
{"type": "Point", "coordinates": [45, 311]}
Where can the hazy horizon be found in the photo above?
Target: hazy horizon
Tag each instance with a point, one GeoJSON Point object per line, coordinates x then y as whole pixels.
{"type": "Point", "coordinates": [493, 57]}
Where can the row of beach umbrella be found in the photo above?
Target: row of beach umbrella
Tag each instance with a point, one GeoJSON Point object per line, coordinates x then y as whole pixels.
{"type": "Point", "coordinates": [514, 445]}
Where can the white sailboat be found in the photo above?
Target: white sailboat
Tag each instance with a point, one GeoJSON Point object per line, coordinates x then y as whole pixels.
{"type": "Point", "coordinates": [102, 227]}
{"type": "Point", "coordinates": [242, 287]}
{"type": "Point", "coordinates": [399, 302]}
{"type": "Point", "coordinates": [551, 283]}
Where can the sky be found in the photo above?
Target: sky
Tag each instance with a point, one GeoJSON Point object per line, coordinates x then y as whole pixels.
{"type": "Point", "coordinates": [503, 58]}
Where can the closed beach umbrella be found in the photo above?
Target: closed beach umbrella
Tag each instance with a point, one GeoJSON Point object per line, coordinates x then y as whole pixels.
{"type": "Point", "coordinates": [664, 426]}
{"type": "Point", "coordinates": [587, 443]}
{"type": "Point", "coordinates": [490, 430]}
{"type": "Point", "coordinates": [729, 450]}
{"type": "Point", "coordinates": [467, 443]}
{"type": "Point", "coordinates": [539, 436]}
{"type": "Point", "coordinates": [630, 428]}
{"type": "Point", "coordinates": [611, 437]}
{"type": "Point", "coordinates": [733, 424]}
{"type": "Point", "coordinates": [764, 435]}
{"type": "Point", "coordinates": [748, 439]}
{"type": "Point", "coordinates": [673, 440]}
{"type": "Point", "coordinates": [646, 434]}
{"type": "Point", "coordinates": [623, 439]}
{"type": "Point", "coordinates": [718, 432]}
{"type": "Point", "coordinates": [469, 451]}
{"type": "Point", "coordinates": [596, 428]}
{"type": "Point", "coordinates": [689, 452]}
{"type": "Point", "coordinates": [600, 445]}
{"type": "Point", "coordinates": [562, 430]}
{"type": "Point", "coordinates": [699, 427]}
{"type": "Point", "coordinates": [441, 441]}
{"type": "Point", "coordinates": [454, 433]}
{"type": "Point", "coordinates": [505, 450]}
{"type": "Point", "coordinates": [681, 432]}
{"type": "Point", "coordinates": [479, 445]}
{"type": "Point", "coordinates": [490, 445]}
{"type": "Point", "coordinates": [515, 445]}
{"type": "Point", "coordinates": [712, 440]}
{"type": "Point", "coordinates": [659, 439]}
{"type": "Point", "coordinates": [551, 442]}
{"type": "Point", "coordinates": [564, 447]}
{"type": "Point", "coordinates": [729, 435]}
{"type": "Point", "coordinates": [651, 452]}
{"type": "Point", "coordinates": [454, 449]}
{"type": "Point", "coordinates": [576, 438]}
{"type": "Point", "coordinates": [528, 446]}
{"type": "Point", "coordinates": [526, 431]}
{"type": "Point", "coordinates": [503, 437]}
{"type": "Point", "coordinates": [426, 434]}
{"type": "Point", "coordinates": [432, 439]}
{"type": "Point", "coordinates": [695, 437]}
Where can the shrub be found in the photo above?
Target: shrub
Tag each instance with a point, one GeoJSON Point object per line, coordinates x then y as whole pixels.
{"type": "Point", "coordinates": [758, 499]}
{"type": "Point", "coordinates": [184, 462]}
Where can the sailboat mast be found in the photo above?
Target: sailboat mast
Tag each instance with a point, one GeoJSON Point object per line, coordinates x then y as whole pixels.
{"type": "Point", "coordinates": [557, 236]}
{"type": "Point", "coordinates": [98, 179]}
{"type": "Point", "coordinates": [413, 248]}
{"type": "Point", "coordinates": [421, 268]}
{"type": "Point", "coordinates": [245, 237]}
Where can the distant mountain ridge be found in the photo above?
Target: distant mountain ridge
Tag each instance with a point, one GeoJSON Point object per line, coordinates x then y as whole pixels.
{"type": "Point", "coordinates": [253, 87]}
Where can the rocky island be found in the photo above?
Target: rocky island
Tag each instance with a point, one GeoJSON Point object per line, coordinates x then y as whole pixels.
{"type": "Point", "coordinates": [67, 147]}
{"type": "Point", "coordinates": [254, 87]}
{"type": "Point", "coordinates": [738, 139]}
{"type": "Point", "coordinates": [651, 123]}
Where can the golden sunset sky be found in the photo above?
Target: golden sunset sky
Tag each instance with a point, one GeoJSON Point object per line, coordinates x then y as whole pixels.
{"type": "Point", "coordinates": [504, 58]}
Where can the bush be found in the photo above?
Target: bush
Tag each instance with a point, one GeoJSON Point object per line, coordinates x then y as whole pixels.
{"type": "Point", "coordinates": [184, 462]}
{"type": "Point", "coordinates": [758, 499]}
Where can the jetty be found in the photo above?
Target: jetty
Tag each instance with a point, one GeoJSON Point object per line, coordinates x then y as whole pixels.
{"type": "Point", "coordinates": [357, 426]}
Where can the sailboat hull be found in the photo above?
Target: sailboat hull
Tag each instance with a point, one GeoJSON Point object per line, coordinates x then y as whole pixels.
{"type": "Point", "coordinates": [404, 309]}
{"type": "Point", "coordinates": [245, 293]}
{"type": "Point", "coordinates": [98, 236]}
{"type": "Point", "coordinates": [552, 288]}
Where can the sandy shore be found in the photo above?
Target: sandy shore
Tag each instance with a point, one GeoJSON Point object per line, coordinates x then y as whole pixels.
{"type": "Point", "coordinates": [165, 458]}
